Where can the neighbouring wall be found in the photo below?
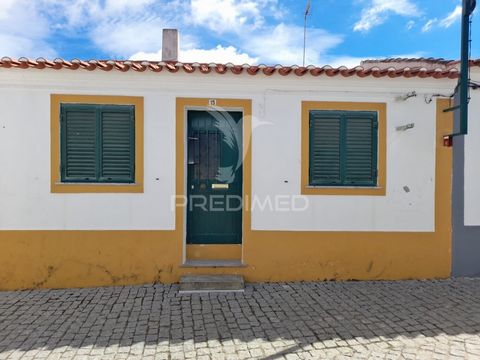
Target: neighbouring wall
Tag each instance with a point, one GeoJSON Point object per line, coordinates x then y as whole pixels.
{"type": "Point", "coordinates": [466, 192]}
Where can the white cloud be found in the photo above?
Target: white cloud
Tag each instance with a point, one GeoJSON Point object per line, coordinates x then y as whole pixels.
{"type": "Point", "coordinates": [232, 15]}
{"type": "Point", "coordinates": [23, 30]}
{"type": "Point", "coordinates": [88, 12]}
{"type": "Point", "coordinates": [284, 44]}
{"type": "Point", "coordinates": [5, 6]}
{"type": "Point", "coordinates": [455, 15]}
{"type": "Point", "coordinates": [410, 25]}
{"type": "Point", "coordinates": [267, 44]}
{"type": "Point", "coordinates": [20, 46]}
{"type": "Point", "coordinates": [118, 27]}
{"type": "Point", "coordinates": [348, 61]}
{"type": "Point", "coordinates": [117, 6]}
{"type": "Point", "coordinates": [128, 37]}
{"type": "Point", "coordinates": [378, 11]}
{"type": "Point", "coordinates": [121, 28]}
{"type": "Point", "coordinates": [429, 24]}
{"type": "Point", "coordinates": [445, 22]}
{"type": "Point", "coordinates": [219, 54]}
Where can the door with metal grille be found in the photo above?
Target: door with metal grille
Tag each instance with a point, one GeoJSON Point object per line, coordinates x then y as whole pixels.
{"type": "Point", "coordinates": [214, 177]}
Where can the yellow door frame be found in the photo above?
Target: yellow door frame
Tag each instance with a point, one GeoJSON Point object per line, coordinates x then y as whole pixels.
{"type": "Point", "coordinates": [225, 252]}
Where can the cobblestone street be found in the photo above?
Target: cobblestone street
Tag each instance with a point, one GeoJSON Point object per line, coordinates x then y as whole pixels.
{"type": "Point", "coordinates": [408, 319]}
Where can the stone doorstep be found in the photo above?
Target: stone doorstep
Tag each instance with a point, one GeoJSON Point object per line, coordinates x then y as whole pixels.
{"type": "Point", "coordinates": [211, 283]}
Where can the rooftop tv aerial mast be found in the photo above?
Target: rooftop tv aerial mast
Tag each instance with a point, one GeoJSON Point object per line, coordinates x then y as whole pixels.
{"type": "Point", "coordinates": [307, 12]}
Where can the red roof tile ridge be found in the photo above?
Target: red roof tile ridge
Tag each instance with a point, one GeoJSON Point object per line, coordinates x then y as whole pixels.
{"type": "Point", "coordinates": [412, 59]}
{"type": "Point", "coordinates": [376, 68]}
{"type": "Point", "coordinates": [429, 63]}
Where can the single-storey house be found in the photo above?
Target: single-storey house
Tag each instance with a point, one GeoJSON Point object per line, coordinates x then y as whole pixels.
{"type": "Point", "coordinates": [126, 172]}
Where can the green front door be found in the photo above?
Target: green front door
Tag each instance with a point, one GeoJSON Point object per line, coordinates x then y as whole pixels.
{"type": "Point", "coordinates": [214, 177]}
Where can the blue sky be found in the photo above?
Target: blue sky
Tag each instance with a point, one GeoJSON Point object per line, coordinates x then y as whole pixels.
{"type": "Point", "coordinates": [340, 32]}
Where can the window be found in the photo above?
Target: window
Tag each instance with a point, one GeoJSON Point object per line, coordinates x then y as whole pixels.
{"type": "Point", "coordinates": [343, 148]}
{"type": "Point", "coordinates": [98, 143]}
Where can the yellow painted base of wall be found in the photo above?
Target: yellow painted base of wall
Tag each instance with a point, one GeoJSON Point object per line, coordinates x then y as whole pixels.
{"type": "Point", "coordinates": [61, 259]}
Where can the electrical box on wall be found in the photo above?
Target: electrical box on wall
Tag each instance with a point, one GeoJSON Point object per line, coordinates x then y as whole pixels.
{"type": "Point", "coordinates": [447, 140]}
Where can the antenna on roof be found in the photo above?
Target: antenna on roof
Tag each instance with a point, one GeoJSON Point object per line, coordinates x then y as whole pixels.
{"type": "Point", "coordinates": [307, 12]}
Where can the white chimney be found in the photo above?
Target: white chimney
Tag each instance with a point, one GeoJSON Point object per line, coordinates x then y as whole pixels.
{"type": "Point", "coordinates": [170, 45]}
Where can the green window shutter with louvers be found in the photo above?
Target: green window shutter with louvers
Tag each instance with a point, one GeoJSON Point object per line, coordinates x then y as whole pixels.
{"type": "Point", "coordinates": [360, 168]}
{"type": "Point", "coordinates": [117, 144]}
{"type": "Point", "coordinates": [98, 143]}
{"type": "Point", "coordinates": [325, 148]}
{"type": "Point", "coordinates": [343, 148]}
{"type": "Point", "coordinates": [78, 143]}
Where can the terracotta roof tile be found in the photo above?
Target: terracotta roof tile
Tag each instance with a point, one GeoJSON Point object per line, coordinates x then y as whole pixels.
{"type": "Point", "coordinates": [430, 60]}
{"type": "Point", "coordinates": [392, 67]}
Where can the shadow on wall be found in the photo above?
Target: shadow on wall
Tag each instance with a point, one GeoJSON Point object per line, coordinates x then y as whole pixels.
{"type": "Point", "coordinates": [295, 314]}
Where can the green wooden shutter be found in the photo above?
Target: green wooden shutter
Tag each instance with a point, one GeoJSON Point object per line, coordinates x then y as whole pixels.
{"type": "Point", "coordinates": [78, 143]}
{"type": "Point", "coordinates": [360, 168]}
{"type": "Point", "coordinates": [97, 143]}
{"type": "Point", "coordinates": [325, 146]}
{"type": "Point", "coordinates": [117, 144]}
{"type": "Point", "coordinates": [343, 148]}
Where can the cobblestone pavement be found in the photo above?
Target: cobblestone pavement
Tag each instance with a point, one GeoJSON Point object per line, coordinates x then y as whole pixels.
{"type": "Point", "coordinates": [408, 319]}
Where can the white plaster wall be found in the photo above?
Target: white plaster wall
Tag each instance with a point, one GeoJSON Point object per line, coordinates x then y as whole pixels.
{"type": "Point", "coordinates": [410, 162]}
{"type": "Point", "coordinates": [26, 201]}
{"type": "Point", "coordinates": [472, 162]}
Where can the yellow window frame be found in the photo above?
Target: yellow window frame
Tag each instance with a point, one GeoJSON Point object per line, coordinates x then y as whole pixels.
{"type": "Point", "coordinates": [56, 185]}
{"type": "Point", "coordinates": [381, 109]}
